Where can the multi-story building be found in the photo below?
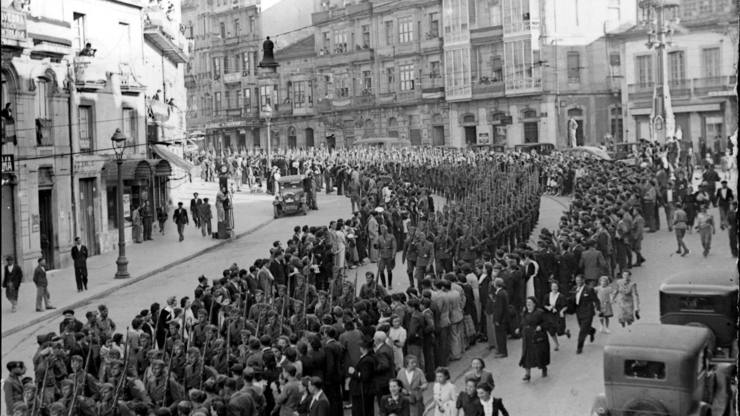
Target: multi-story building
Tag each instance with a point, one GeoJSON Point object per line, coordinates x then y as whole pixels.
{"type": "Point", "coordinates": [73, 72]}
{"type": "Point", "coordinates": [379, 71]}
{"type": "Point", "coordinates": [517, 70]}
{"type": "Point", "coordinates": [701, 68]}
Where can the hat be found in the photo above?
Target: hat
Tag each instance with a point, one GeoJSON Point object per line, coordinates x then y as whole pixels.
{"type": "Point", "coordinates": [68, 312]}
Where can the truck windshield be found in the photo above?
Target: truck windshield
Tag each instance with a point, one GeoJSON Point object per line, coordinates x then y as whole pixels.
{"type": "Point", "coordinates": [653, 370]}
{"type": "Point", "coordinates": [696, 303]}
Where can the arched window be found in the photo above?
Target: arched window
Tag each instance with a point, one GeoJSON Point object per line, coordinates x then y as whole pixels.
{"type": "Point", "coordinates": [531, 126]}
{"type": "Point", "coordinates": [43, 110]}
{"type": "Point", "coordinates": [529, 113]}
{"type": "Point", "coordinates": [292, 139]}
{"type": "Point", "coordinates": [7, 88]}
{"type": "Point", "coordinates": [468, 119]}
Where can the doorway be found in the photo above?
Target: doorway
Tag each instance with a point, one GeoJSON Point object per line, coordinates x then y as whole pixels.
{"type": "Point", "coordinates": [471, 138]}
{"type": "Point", "coordinates": [256, 138]}
{"type": "Point", "coordinates": [8, 221]}
{"type": "Point", "coordinates": [309, 138]}
{"type": "Point", "coordinates": [576, 114]}
{"type": "Point", "coordinates": [88, 230]}
{"type": "Point", "coordinates": [415, 136]}
{"type": "Point", "coordinates": [438, 136]}
{"type": "Point", "coordinates": [46, 227]}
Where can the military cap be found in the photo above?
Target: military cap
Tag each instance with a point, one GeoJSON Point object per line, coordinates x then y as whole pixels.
{"type": "Point", "coordinates": [68, 312]}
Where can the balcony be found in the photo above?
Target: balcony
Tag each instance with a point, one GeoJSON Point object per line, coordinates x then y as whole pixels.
{"type": "Point", "coordinates": [232, 78]}
{"type": "Point", "coordinates": [614, 83]}
{"type": "Point", "coordinates": [486, 86]}
{"type": "Point", "coordinates": [408, 48]}
{"type": "Point", "coordinates": [386, 98]}
{"type": "Point", "coordinates": [90, 73]}
{"type": "Point", "coordinates": [680, 88]}
{"type": "Point", "coordinates": [320, 17]}
{"type": "Point", "coordinates": [523, 86]}
{"type": "Point", "coordinates": [127, 81]}
{"type": "Point", "coordinates": [715, 86]}
{"type": "Point", "coordinates": [162, 32]}
{"type": "Point", "coordinates": [523, 26]}
{"type": "Point", "coordinates": [359, 54]}
{"type": "Point", "coordinates": [641, 91]}
{"type": "Point", "coordinates": [306, 110]}
{"type": "Point", "coordinates": [406, 97]}
{"type": "Point", "coordinates": [363, 101]}
{"type": "Point", "coordinates": [431, 43]}
{"type": "Point", "coordinates": [432, 88]}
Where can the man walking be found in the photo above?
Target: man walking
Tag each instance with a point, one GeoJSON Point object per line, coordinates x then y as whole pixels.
{"type": "Point", "coordinates": [42, 286]}
{"type": "Point", "coordinates": [180, 217]}
{"type": "Point", "coordinates": [12, 278]}
{"type": "Point", "coordinates": [205, 216]}
{"type": "Point", "coordinates": [732, 218]}
{"type": "Point", "coordinates": [724, 197]}
{"type": "Point", "coordinates": [194, 203]}
{"type": "Point", "coordinates": [79, 255]}
{"type": "Point", "coordinates": [147, 216]}
{"type": "Point", "coordinates": [586, 304]}
{"type": "Point", "coordinates": [387, 249]}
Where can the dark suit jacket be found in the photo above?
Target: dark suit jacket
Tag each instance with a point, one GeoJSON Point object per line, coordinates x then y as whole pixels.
{"type": "Point", "coordinates": [180, 216]}
{"type": "Point", "coordinates": [319, 407]}
{"type": "Point", "coordinates": [80, 256]}
{"type": "Point", "coordinates": [724, 202]}
{"type": "Point", "coordinates": [588, 305]}
{"type": "Point", "coordinates": [39, 277]}
{"type": "Point", "coordinates": [592, 264]}
{"type": "Point", "coordinates": [500, 307]}
{"type": "Point", "coordinates": [315, 365]}
{"type": "Point", "coordinates": [15, 277]}
{"type": "Point", "coordinates": [387, 406]}
{"type": "Point", "coordinates": [384, 366]}
{"type": "Point", "coordinates": [361, 382]}
{"type": "Point", "coordinates": [334, 353]}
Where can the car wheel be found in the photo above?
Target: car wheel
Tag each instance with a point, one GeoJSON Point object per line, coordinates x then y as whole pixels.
{"type": "Point", "coordinates": [645, 407]}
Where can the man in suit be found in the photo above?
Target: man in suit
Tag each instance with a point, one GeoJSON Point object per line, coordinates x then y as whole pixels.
{"type": "Point", "coordinates": [42, 286]}
{"type": "Point", "coordinates": [147, 217]}
{"type": "Point", "coordinates": [205, 215]}
{"type": "Point", "coordinates": [724, 197]}
{"type": "Point", "coordinates": [592, 264]}
{"type": "Point", "coordinates": [361, 385]}
{"type": "Point", "coordinates": [79, 256]}
{"type": "Point", "coordinates": [320, 405]}
{"type": "Point", "coordinates": [500, 317]}
{"type": "Point", "coordinates": [732, 219]}
{"type": "Point", "coordinates": [585, 304]}
{"type": "Point", "coordinates": [194, 207]}
{"type": "Point", "coordinates": [13, 387]}
{"type": "Point", "coordinates": [180, 217]}
{"type": "Point", "coordinates": [288, 396]}
{"type": "Point", "coordinates": [12, 278]}
{"type": "Point", "coordinates": [334, 372]}
{"type": "Point", "coordinates": [385, 368]}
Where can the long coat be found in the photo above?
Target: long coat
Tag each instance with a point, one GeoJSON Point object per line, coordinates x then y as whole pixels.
{"type": "Point", "coordinates": [535, 344]}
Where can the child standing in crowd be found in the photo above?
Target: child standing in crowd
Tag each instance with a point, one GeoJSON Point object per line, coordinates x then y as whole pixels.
{"type": "Point", "coordinates": [605, 293]}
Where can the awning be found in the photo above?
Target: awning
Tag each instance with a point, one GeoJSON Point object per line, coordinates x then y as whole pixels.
{"type": "Point", "coordinates": [160, 167]}
{"type": "Point", "coordinates": [174, 159]}
{"type": "Point", "coordinates": [130, 169]}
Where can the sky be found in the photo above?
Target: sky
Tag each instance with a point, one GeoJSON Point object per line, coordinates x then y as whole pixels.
{"type": "Point", "coordinates": [266, 4]}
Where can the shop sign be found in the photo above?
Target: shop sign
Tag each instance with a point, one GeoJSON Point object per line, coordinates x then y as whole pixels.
{"type": "Point", "coordinates": [126, 205]}
{"type": "Point", "coordinates": [8, 162]}
{"type": "Point", "coordinates": [13, 25]}
{"type": "Point", "coordinates": [87, 167]}
{"type": "Point", "coordinates": [483, 138]}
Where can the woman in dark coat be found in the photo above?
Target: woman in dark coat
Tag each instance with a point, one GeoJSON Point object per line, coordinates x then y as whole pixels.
{"type": "Point", "coordinates": [395, 403]}
{"type": "Point", "coordinates": [535, 345]}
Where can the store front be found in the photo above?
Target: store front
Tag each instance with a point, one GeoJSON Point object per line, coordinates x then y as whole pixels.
{"type": "Point", "coordinates": [137, 187]}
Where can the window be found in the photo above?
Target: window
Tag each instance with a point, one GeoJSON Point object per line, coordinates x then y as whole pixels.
{"type": "Point", "coordinates": [236, 27]}
{"type": "Point", "coordinates": [574, 67]}
{"type": "Point", "coordinates": [676, 69]}
{"type": "Point", "coordinates": [531, 132]}
{"type": "Point", "coordinates": [42, 99]}
{"type": "Point", "coordinates": [434, 69]}
{"type": "Point", "coordinates": [615, 121]}
{"type": "Point", "coordinates": [246, 69]}
{"type": "Point", "coordinates": [405, 29]}
{"type": "Point", "coordinates": [365, 36]}
{"type": "Point", "coordinates": [342, 87]}
{"type": "Point", "coordinates": [217, 104]}
{"type": "Point", "coordinates": [266, 96]}
{"type": "Point", "coordinates": [367, 83]}
{"type": "Point", "coordinates": [299, 94]}
{"type": "Point", "coordinates": [433, 25]}
{"type": "Point", "coordinates": [644, 70]}
{"type": "Point", "coordinates": [326, 42]}
{"type": "Point", "coordinates": [124, 36]}
{"type": "Point", "coordinates": [654, 370]}
{"type": "Point", "coordinates": [216, 68]}
{"type": "Point", "coordinates": [696, 303]}
{"type": "Point", "coordinates": [340, 41]}
{"type": "Point", "coordinates": [389, 32]}
{"type": "Point", "coordinates": [190, 30]}
{"type": "Point", "coordinates": [226, 65]}
{"type": "Point", "coordinates": [85, 127]}
{"type": "Point", "coordinates": [251, 24]}
{"type": "Point", "coordinates": [78, 25]}
{"type": "Point", "coordinates": [222, 30]}
{"type": "Point", "coordinates": [711, 63]}
{"type": "Point", "coordinates": [247, 99]}
{"type": "Point", "coordinates": [407, 77]}
{"type": "Point", "coordinates": [390, 76]}
{"type": "Point", "coordinates": [129, 125]}
{"type": "Point", "coordinates": [227, 99]}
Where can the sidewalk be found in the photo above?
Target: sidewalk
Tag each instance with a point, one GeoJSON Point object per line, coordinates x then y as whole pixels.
{"type": "Point", "coordinates": [251, 212]}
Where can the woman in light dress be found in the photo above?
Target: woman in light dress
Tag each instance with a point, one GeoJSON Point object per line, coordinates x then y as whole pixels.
{"type": "Point", "coordinates": [397, 338]}
{"type": "Point", "coordinates": [414, 383]}
{"type": "Point", "coordinates": [138, 226]}
{"type": "Point", "coordinates": [445, 393]}
{"type": "Point", "coordinates": [627, 299]}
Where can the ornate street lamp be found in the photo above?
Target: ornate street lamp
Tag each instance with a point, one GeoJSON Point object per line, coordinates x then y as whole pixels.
{"type": "Point", "coordinates": [659, 18]}
{"type": "Point", "coordinates": [267, 114]}
{"type": "Point", "coordinates": [119, 146]}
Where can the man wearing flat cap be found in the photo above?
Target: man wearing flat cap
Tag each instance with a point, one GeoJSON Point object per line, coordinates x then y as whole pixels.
{"type": "Point", "coordinates": [12, 278]}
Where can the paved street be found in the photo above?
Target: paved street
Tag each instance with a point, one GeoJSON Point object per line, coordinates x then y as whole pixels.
{"type": "Point", "coordinates": [573, 381]}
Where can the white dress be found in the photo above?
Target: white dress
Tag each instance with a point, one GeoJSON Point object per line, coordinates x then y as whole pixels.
{"type": "Point", "coordinates": [444, 399]}
{"type": "Point", "coordinates": [397, 334]}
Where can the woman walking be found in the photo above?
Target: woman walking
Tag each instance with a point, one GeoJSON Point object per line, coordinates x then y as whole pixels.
{"type": "Point", "coordinates": [555, 305]}
{"type": "Point", "coordinates": [705, 226]}
{"type": "Point", "coordinates": [138, 226]}
{"type": "Point", "coordinates": [680, 224]}
{"type": "Point", "coordinates": [444, 393]}
{"type": "Point", "coordinates": [627, 299]}
{"type": "Point", "coordinates": [414, 383]}
{"type": "Point", "coordinates": [605, 293]}
{"type": "Point", "coordinates": [478, 372]}
{"type": "Point", "coordinates": [535, 345]}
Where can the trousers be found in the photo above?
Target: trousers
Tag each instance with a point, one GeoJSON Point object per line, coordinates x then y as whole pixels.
{"type": "Point", "coordinates": [205, 228]}
{"type": "Point", "coordinates": [180, 230]}
{"type": "Point", "coordinates": [81, 278]}
{"type": "Point", "coordinates": [42, 298]}
{"type": "Point", "coordinates": [456, 340]}
{"type": "Point", "coordinates": [585, 330]}
{"type": "Point", "coordinates": [442, 348]}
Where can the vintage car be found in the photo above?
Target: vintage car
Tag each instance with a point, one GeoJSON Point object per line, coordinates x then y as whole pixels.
{"type": "Point", "coordinates": [703, 299]}
{"type": "Point", "coordinates": [540, 148]}
{"type": "Point", "coordinates": [663, 370]}
{"type": "Point", "coordinates": [291, 199]}
{"type": "Point", "coordinates": [382, 142]}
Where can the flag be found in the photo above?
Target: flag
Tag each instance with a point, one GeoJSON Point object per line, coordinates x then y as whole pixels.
{"type": "Point", "coordinates": [670, 120]}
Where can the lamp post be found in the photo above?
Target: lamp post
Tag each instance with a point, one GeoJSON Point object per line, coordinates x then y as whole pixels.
{"type": "Point", "coordinates": [119, 145]}
{"type": "Point", "coordinates": [267, 113]}
{"type": "Point", "coordinates": [659, 18]}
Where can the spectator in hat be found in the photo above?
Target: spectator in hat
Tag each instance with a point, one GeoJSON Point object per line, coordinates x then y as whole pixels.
{"type": "Point", "coordinates": [42, 286]}
{"type": "Point", "coordinates": [12, 278]}
{"type": "Point", "coordinates": [180, 217]}
{"type": "Point", "coordinates": [723, 197]}
{"type": "Point", "coordinates": [13, 387]}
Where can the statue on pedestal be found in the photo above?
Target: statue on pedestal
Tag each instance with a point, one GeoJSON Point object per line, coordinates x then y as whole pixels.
{"type": "Point", "coordinates": [268, 57]}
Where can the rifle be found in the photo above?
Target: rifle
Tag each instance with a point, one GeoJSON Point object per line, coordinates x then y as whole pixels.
{"type": "Point", "coordinates": [76, 385]}
{"type": "Point", "coordinates": [40, 396]}
{"type": "Point", "coordinates": [167, 378]}
{"type": "Point", "coordinates": [123, 375]}
{"type": "Point", "coordinates": [228, 339]}
{"type": "Point", "coordinates": [202, 360]}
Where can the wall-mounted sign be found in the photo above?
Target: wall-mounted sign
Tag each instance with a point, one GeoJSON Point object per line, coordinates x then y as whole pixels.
{"type": "Point", "coordinates": [13, 25]}
{"type": "Point", "coordinates": [126, 205]}
{"type": "Point", "coordinates": [8, 162]}
{"type": "Point", "coordinates": [483, 138]}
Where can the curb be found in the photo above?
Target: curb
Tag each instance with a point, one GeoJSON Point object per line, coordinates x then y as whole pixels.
{"type": "Point", "coordinates": [131, 281]}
